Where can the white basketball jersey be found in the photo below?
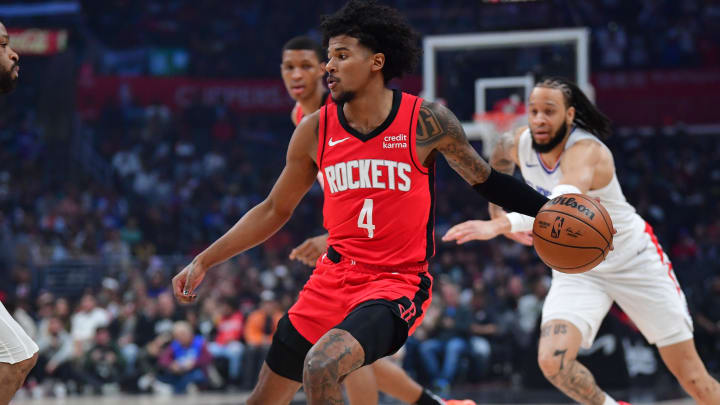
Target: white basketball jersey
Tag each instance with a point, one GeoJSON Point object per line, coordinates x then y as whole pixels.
{"type": "Point", "coordinates": [629, 225]}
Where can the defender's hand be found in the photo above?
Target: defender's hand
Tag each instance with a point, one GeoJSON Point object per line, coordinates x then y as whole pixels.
{"type": "Point", "coordinates": [472, 230]}
{"type": "Point", "coordinates": [185, 282]}
{"type": "Point", "coordinates": [524, 238]}
{"type": "Point", "coordinates": [309, 251]}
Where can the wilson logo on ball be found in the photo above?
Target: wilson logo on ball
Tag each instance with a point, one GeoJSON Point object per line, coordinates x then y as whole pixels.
{"type": "Point", "coordinates": [557, 227]}
{"type": "Point", "coordinates": [571, 202]}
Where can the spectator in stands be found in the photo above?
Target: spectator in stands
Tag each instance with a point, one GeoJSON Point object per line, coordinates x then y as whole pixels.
{"type": "Point", "coordinates": [483, 330]}
{"type": "Point", "coordinates": [103, 366]}
{"type": "Point", "coordinates": [448, 342]}
{"type": "Point", "coordinates": [707, 317]}
{"type": "Point", "coordinates": [530, 308]}
{"type": "Point", "coordinates": [184, 362]}
{"type": "Point", "coordinates": [229, 323]}
{"type": "Point", "coordinates": [85, 322]}
{"type": "Point", "coordinates": [168, 313]}
{"type": "Point", "coordinates": [54, 368]}
{"type": "Point", "coordinates": [123, 330]}
{"type": "Point", "coordinates": [259, 330]}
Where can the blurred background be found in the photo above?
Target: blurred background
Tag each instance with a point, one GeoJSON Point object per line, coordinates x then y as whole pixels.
{"type": "Point", "coordinates": [141, 130]}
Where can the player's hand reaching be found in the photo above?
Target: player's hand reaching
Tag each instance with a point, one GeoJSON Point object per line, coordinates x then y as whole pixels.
{"type": "Point", "coordinates": [524, 238]}
{"type": "Point", "coordinates": [476, 230]}
{"type": "Point", "coordinates": [185, 282]}
{"type": "Point", "coordinates": [309, 251]}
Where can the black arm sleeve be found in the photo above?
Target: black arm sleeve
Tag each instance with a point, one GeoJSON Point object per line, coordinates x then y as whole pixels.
{"type": "Point", "coordinates": [511, 194]}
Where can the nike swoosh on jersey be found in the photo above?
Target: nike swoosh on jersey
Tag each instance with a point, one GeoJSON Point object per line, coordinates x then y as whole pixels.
{"type": "Point", "coordinates": [529, 165]}
{"type": "Point", "coordinates": [333, 143]}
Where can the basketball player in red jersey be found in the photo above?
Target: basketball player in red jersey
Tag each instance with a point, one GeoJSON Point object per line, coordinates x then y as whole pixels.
{"type": "Point", "coordinates": [302, 72]}
{"type": "Point", "coordinates": [376, 149]}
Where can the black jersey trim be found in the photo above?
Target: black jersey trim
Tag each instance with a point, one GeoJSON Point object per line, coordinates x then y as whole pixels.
{"type": "Point", "coordinates": [327, 98]}
{"type": "Point", "coordinates": [412, 147]}
{"type": "Point", "coordinates": [421, 295]}
{"type": "Point", "coordinates": [323, 110]}
{"type": "Point", "coordinates": [430, 227]}
{"type": "Point", "coordinates": [397, 99]}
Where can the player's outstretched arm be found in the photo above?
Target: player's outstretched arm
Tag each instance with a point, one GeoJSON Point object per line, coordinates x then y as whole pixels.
{"type": "Point", "coordinates": [587, 165]}
{"type": "Point", "coordinates": [503, 159]}
{"type": "Point", "coordinates": [263, 220]}
{"type": "Point", "coordinates": [439, 130]}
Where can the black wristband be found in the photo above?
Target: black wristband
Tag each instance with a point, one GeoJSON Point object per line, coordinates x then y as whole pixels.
{"type": "Point", "coordinates": [511, 194]}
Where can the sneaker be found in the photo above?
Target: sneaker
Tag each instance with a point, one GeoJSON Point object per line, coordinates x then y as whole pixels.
{"type": "Point", "coordinates": [192, 389]}
{"type": "Point", "coordinates": [59, 390]}
{"type": "Point", "coordinates": [459, 402]}
{"type": "Point", "coordinates": [162, 389]}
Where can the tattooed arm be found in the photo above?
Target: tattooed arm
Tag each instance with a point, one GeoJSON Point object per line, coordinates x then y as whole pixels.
{"type": "Point", "coordinates": [503, 159]}
{"type": "Point", "coordinates": [439, 130]}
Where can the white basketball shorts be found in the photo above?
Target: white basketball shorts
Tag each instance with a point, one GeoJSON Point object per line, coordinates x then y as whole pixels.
{"type": "Point", "coordinates": [643, 284]}
{"type": "Point", "coordinates": [15, 344]}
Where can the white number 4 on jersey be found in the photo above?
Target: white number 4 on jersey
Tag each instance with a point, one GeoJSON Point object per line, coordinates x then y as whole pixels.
{"type": "Point", "coordinates": [365, 219]}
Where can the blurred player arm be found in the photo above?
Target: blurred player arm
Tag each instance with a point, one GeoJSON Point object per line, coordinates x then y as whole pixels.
{"type": "Point", "coordinates": [309, 251]}
{"type": "Point", "coordinates": [439, 130]}
{"type": "Point", "coordinates": [504, 159]}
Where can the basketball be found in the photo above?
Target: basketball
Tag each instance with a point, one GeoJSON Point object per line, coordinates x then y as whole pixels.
{"type": "Point", "coordinates": [572, 233]}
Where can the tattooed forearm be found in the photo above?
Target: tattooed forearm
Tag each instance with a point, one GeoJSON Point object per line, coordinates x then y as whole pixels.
{"type": "Point", "coordinates": [438, 129]}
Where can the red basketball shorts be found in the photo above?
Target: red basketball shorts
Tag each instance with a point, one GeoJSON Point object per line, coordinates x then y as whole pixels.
{"type": "Point", "coordinates": [336, 289]}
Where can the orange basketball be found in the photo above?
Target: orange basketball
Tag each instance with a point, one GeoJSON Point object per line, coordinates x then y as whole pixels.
{"type": "Point", "coordinates": [572, 233]}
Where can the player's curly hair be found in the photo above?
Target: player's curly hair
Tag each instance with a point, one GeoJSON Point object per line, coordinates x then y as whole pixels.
{"type": "Point", "coordinates": [380, 28]}
{"type": "Point", "coordinates": [587, 115]}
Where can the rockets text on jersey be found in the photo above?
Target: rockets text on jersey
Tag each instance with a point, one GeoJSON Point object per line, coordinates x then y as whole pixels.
{"type": "Point", "coordinates": [371, 173]}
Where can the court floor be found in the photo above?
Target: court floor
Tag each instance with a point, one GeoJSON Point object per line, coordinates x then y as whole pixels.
{"type": "Point", "coordinates": [484, 398]}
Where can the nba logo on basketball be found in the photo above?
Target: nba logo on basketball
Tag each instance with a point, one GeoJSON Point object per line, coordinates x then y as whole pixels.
{"type": "Point", "coordinates": [557, 227]}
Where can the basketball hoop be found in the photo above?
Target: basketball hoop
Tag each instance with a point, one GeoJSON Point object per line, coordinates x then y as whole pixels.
{"type": "Point", "coordinates": [499, 122]}
{"type": "Point", "coordinates": [492, 124]}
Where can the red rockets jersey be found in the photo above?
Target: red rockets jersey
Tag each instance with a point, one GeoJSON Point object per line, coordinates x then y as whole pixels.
{"type": "Point", "coordinates": [379, 199]}
{"type": "Point", "coordinates": [299, 114]}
